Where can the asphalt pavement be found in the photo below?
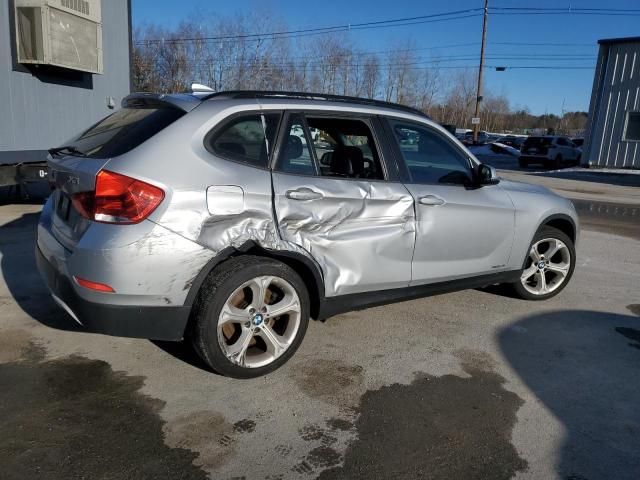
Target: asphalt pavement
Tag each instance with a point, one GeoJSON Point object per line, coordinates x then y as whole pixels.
{"type": "Point", "coordinates": [472, 384]}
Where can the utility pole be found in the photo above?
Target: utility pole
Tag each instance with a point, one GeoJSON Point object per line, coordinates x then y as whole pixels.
{"type": "Point", "coordinates": [476, 126]}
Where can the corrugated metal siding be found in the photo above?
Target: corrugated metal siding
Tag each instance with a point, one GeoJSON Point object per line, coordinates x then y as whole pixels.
{"type": "Point", "coordinates": [37, 114]}
{"type": "Point", "coordinates": [616, 92]}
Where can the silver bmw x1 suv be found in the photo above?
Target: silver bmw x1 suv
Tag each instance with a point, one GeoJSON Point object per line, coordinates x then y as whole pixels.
{"type": "Point", "coordinates": [230, 219]}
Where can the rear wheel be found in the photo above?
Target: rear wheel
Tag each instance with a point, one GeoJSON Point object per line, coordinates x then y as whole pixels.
{"type": "Point", "coordinates": [556, 163]}
{"type": "Point", "coordinates": [523, 163]}
{"type": "Point", "coordinates": [250, 317]}
{"type": "Point", "coordinates": [548, 267]}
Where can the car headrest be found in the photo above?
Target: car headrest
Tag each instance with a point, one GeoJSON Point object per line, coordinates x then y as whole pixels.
{"type": "Point", "coordinates": [293, 149]}
{"type": "Point", "coordinates": [347, 161]}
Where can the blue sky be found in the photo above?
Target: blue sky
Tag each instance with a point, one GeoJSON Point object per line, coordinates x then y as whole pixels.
{"type": "Point", "coordinates": [540, 90]}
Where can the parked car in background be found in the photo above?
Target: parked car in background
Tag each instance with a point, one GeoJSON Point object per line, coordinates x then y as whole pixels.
{"type": "Point", "coordinates": [483, 138]}
{"type": "Point", "coordinates": [578, 142]}
{"type": "Point", "coordinates": [512, 141]}
{"type": "Point", "coordinates": [257, 228]}
{"type": "Point", "coordinates": [549, 151]}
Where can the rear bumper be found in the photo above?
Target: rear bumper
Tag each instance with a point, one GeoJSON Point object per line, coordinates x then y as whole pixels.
{"type": "Point", "coordinates": [158, 323]}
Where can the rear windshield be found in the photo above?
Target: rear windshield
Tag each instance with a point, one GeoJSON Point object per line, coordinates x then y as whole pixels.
{"type": "Point", "coordinates": [537, 142]}
{"type": "Point", "coordinates": [124, 130]}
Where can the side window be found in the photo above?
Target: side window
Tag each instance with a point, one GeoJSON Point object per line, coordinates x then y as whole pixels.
{"type": "Point", "coordinates": [632, 129]}
{"type": "Point", "coordinates": [345, 148]}
{"type": "Point", "coordinates": [247, 138]}
{"type": "Point", "coordinates": [562, 142]}
{"type": "Point", "coordinates": [295, 156]}
{"type": "Point", "coordinates": [429, 156]}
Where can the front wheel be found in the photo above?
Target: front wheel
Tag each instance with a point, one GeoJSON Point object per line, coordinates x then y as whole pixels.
{"type": "Point", "coordinates": [548, 267]}
{"type": "Point", "coordinates": [250, 317]}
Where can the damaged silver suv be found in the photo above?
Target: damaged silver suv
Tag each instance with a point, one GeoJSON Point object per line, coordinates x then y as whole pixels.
{"type": "Point", "coordinates": [221, 218]}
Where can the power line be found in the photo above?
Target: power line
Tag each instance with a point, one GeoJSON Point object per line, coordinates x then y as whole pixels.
{"type": "Point", "coordinates": [546, 67]}
{"type": "Point", "coordinates": [434, 63]}
{"type": "Point", "coordinates": [437, 17]}
{"type": "Point", "coordinates": [410, 66]}
{"type": "Point", "coordinates": [565, 11]}
{"type": "Point", "coordinates": [544, 44]}
{"type": "Point", "coordinates": [570, 9]}
{"type": "Point", "coordinates": [399, 22]}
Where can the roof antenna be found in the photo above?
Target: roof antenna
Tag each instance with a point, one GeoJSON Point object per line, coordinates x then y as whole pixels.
{"type": "Point", "coordinates": [199, 88]}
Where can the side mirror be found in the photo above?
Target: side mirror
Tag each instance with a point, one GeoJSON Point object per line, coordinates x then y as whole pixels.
{"type": "Point", "coordinates": [487, 175]}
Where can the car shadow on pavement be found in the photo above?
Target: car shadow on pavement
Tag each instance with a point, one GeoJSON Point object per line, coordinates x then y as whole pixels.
{"type": "Point", "coordinates": [584, 367]}
{"type": "Point", "coordinates": [19, 271]}
{"type": "Point", "coordinates": [29, 194]}
{"type": "Point", "coordinates": [184, 352]}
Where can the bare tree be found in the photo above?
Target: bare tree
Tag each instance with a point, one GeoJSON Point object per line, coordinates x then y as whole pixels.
{"type": "Point", "coordinates": [371, 76]}
{"type": "Point", "coordinates": [223, 55]}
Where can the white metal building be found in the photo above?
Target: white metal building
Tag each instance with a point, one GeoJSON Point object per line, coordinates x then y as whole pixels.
{"type": "Point", "coordinates": [64, 64]}
{"type": "Point", "coordinates": [613, 131]}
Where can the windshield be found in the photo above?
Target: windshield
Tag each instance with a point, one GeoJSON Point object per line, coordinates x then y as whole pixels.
{"type": "Point", "coordinates": [123, 130]}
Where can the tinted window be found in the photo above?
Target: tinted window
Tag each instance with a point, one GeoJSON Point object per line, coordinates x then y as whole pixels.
{"type": "Point", "coordinates": [562, 142]}
{"type": "Point", "coordinates": [537, 142]}
{"type": "Point", "coordinates": [246, 138]}
{"type": "Point", "coordinates": [345, 148]}
{"type": "Point", "coordinates": [429, 156]}
{"type": "Point", "coordinates": [632, 132]}
{"type": "Point", "coordinates": [124, 130]}
{"type": "Point", "coordinates": [295, 156]}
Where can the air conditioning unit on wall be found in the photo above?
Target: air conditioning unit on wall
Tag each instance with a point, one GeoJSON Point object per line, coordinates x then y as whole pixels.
{"type": "Point", "coordinates": [64, 33]}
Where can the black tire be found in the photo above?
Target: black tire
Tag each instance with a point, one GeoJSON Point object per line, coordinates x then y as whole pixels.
{"type": "Point", "coordinates": [523, 163]}
{"type": "Point", "coordinates": [546, 232]}
{"type": "Point", "coordinates": [557, 163]}
{"type": "Point", "coordinates": [215, 291]}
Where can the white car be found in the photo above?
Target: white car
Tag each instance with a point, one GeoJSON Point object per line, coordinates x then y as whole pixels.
{"type": "Point", "coordinates": [550, 151]}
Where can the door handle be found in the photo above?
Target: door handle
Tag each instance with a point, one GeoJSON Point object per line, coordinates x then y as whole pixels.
{"type": "Point", "coordinates": [303, 194]}
{"type": "Point", "coordinates": [431, 200]}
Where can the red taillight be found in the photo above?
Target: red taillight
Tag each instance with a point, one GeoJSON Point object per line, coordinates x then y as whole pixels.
{"type": "Point", "coordinates": [100, 287]}
{"type": "Point", "coordinates": [118, 199]}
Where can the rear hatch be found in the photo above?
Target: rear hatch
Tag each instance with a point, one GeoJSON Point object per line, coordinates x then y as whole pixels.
{"type": "Point", "coordinates": [536, 145]}
{"type": "Point", "coordinates": [74, 166]}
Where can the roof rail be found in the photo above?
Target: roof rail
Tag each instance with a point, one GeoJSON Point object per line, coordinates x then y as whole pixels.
{"type": "Point", "coordinates": [313, 96]}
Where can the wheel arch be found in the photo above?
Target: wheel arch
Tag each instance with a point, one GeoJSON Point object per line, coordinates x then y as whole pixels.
{"type": "Point", "coordinates": [562, 222]}
{"type": "Point", "coordinates": [308, 270]}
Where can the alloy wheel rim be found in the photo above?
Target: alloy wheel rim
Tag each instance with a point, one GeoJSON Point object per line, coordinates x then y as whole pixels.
{"type": "Point", "coordinates": [259, 321]}
{"type": "Point", "coordinates": [547, 266]}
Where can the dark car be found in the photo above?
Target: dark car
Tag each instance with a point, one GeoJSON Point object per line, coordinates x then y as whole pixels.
{"type": "Point", "coordinates": [511, 141]}
{"type": "Point", "coordinates": [483, 138]}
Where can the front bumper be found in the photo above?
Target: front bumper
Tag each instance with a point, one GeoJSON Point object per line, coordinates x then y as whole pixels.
{"type": "Point", "coordinates": [158, 323]}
